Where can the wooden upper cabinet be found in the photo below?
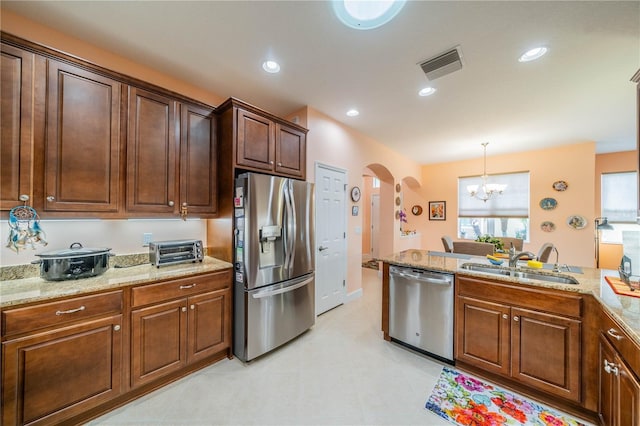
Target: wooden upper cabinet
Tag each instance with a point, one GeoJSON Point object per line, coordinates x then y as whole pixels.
{"type": "Point", "coordinates": [255, 141]}
{"type": "Point", "coordinates": [198, 160]}
{"type": "Point", "coordinates": [291, 148]}
{"type": "Point", "coordinates": [83, 144]}
{"type": "Point", "coordinates": [152, 153]}
{"type": "Point", "coordinates": [16, 89]}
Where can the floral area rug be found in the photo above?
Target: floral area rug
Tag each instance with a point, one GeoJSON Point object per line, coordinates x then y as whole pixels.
{"type": "Point", "coordinates": [465, 400]}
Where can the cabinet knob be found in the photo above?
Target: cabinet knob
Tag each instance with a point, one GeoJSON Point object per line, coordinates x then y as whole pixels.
{"type": "Point", "coordinates": [171, 203]}
{"type": "Point", "coordinates": [184, 204]}
{"type": "Point", "coordinates": [184, 309]}
{"type": "Point", "coordinates": [505, 316]}
{"type": "Point", "coordinates": [516, 318]}
{"type": "Point", "coordinates": [192, 307]}
{"type": "Point", "coordinates": [116, 327]}
{"type": "Point", "coordinates": [279, 164]}
{"type": "Point", "coordinates": [51, 198]}
{"type": "Point", "coordinates": [271, 162]}
{"type": "Point", "coordinates": [23, 197]}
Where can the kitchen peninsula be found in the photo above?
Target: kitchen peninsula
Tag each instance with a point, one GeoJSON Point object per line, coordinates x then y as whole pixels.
{"type": "Point", "coordinates": [542, 338]}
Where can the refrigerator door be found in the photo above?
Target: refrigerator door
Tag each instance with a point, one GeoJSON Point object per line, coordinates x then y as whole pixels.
{"type": "Point", "coordinates": [270, 316]}
{"type": "Point", "coordinates": [301, 255]}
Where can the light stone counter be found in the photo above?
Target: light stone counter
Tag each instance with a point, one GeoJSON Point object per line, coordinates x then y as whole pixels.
{"type": "Point", "coordinates": [625, 309]}
{"type": "Point", "coordinates": [14, 292]}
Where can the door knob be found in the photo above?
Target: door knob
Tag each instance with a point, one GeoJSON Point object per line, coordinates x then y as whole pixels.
{"type": "Point", "coordinates": [321, 248]}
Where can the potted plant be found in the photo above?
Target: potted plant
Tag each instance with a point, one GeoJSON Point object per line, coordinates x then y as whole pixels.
{"type": "Point", "coordinates": [491, 239]}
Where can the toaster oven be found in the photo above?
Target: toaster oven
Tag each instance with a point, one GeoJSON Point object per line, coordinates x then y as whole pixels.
{"type": "Point", "coordinates": [176, 251]}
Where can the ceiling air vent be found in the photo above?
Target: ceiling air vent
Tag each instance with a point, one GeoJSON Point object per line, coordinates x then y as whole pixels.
{"type": "Point", "coordinates": [443, 64]}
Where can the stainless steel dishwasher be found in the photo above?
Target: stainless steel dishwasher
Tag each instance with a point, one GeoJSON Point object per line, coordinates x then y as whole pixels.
{"type": "Point", "coordinates": [421, 311]}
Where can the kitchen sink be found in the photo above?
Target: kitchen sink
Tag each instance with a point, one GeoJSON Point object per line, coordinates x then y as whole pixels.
{"type": "Point", "coordinates": [520, 273]}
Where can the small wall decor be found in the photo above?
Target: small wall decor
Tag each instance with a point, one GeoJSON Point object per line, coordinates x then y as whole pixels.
{"type": "Point", "coordinates": [548, 226]}
{"type": "Point", "coordinates": [577, 221]}
{"type": "Point", "coordinates": [548, 203]}
{"type": "Point", "coordinates": [560, 185]}
{"type": "Point", "coordinates": [437, 210]}
{"type": "Point", "coordinates": [354, 211]}
{"type": "Point", "coordinates": [355, 194]}
{"type": "Point", "coordinates": [398, 187]}
{"type": "Point", "coordinates": [398, 201]}
{"type": "Point", "coordinates": [397, 214]}
{"type": "Point", "coordinates": [416, 210]}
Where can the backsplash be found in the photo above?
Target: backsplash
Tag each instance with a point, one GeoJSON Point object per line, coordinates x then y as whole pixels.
{"type": "Point", "coordinates": [122, 236]}
{"type": "Point", "coordinates": [631, 248]}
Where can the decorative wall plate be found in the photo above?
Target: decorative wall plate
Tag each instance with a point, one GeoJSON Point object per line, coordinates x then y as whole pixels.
{"type": "Point", "coordinates": [397, 214]}
{"type": "Point", "coordinates": [398, 187]}
{"type": "Point", "coordinates": [577, 221]}
{"type": "Point", "coordinates": [560, 185]}
{"type": "Point", "coordinates": [416, 210]}
{"type": "Point", "coordinates": [548, 203]}
{"type": "Point", "coordinates": [398, 201]}
{"type": "Point", "coordinates": [548, 226]}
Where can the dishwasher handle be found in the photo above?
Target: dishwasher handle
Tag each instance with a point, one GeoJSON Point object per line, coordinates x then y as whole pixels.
{"type": "Point", "coordinates": [422, 277]}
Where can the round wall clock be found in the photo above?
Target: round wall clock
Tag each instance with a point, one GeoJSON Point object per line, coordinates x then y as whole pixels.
{"type": "Point", "coordinates": [355, 193]}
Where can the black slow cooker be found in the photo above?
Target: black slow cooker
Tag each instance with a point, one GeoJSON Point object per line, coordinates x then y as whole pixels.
{"type": "Point", "coordinates": [73, 263]}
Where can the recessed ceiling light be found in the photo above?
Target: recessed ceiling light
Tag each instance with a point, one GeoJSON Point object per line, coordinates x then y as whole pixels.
{"type": "Point", "coordinates": [353, 113]}
{"type": "Point", "coordinates": [533, 54]}
{"type": "Point", "coordinates": [367, 14]}
{"type": "Point", "coordinates": [427, 91]}
{"type": "Point", "coordinates": [271, 67]}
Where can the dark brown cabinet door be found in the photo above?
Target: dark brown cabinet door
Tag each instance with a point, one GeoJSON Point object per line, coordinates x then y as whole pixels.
{"type": "Point", "coordinates": [628, 408]}
{"type": "Point", "coordinates": [51, 376]}
{"type": "Point", "coordinates": [546, 352]}
{"type": "Point", "coordinates": [483, 334]}
{"type": "Point", "coordinates": [16, 90]}
{"type": "Point", "coordinates": [209, 324]}
{"type": "Point", "coordinates": [607, 383]}
{"type": "Point", "coordinates": [255, 141]}
{"type": "Point", "coordinates": [290, 151]}
{"type": "Point", "coordinates": [158, 340]}
{"type": "Point", "coordinates": [198, 161]}
{"type": "Point", "coordinates": [82, 154]}
{"type": "Point", "coordinates": [152, 153]}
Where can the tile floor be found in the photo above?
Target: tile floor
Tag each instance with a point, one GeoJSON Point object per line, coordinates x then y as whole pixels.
{"type": "Point", "coordinates": [339, 372]}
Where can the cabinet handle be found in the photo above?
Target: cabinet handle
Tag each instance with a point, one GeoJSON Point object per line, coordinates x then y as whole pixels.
{"type": "Point", "coordinates": [613, 333]}
{"type": "Point", "coordinates": [192, 307]}
{"type": "Point", "coordinates": [505, 316]}
{"type": "Point", "coordinates": [610, 367]}
{"type": "Point", "coordinates": [516, 318]}
{"type": "Point", "coordinates": [70, 311]}
{"type": "Point", "coordinates": [116, 328]}
{"type": "Point", "coordinates": [184, 309]}
{"type": "Point", "coordinates": [51, 198]}
{"type": "Point", "coordinates": [171, 203]}
{"type": "Point", "coordinates": [183, 287]}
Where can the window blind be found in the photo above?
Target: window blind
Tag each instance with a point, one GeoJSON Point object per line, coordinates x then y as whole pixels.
{"type": "Point", "coordinates": [514, 201]}
{"type": "Point", "coordinates": [619, 196]}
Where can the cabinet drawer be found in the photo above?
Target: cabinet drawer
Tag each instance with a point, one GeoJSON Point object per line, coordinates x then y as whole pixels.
{"type": "Point", "coordinates": [621, 341]}
{"type": "Point", "coordinates": [542, 300]}
{"type": "Point", "coordinates": [21, 320]}
{"type": "Point", "coordinates": [167, 290]}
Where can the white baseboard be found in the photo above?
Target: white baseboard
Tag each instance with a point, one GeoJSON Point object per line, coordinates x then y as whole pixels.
{"type": "Point", "coordinates": [350, 297]}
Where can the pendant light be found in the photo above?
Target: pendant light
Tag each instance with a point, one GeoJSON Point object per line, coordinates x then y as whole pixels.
{"type": "Point", "coordinates": [485, 191]}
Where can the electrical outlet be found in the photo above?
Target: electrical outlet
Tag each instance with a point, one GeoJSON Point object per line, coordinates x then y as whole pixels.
{"type": "Point", "coordinates": [147, 237]}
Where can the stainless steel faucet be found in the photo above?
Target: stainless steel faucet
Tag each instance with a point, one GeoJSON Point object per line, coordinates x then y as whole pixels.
{"type": "Point", "coordinates": [513, 259]}
{"type": "Point", "coordinates": [556, 266]}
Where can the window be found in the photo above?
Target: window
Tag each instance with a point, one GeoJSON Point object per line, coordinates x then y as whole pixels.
{"type": "Point", "coordinates": [505, 215]}
{"type": "Point", "coordinates": [619, 200]}
{"type": "Point", "coordinates": [376, 182]}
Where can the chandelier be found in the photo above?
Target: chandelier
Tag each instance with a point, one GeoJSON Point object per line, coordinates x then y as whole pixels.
{"type": "Point", "coordinates": [485, 191]}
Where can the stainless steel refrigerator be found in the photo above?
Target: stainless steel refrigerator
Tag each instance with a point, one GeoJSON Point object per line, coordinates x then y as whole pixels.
{"type": "Point", "coordinates": [274, 260]}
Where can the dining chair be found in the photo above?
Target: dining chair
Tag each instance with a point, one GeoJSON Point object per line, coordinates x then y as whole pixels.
{"type": "Point", "coordinates": [545, 252]}
{"type": "Point", "coordinates": [474, 248]}
{"type": "Point", "coordinates": [518, 243]}
{"type": "Point", "coordinates": [447, 242]}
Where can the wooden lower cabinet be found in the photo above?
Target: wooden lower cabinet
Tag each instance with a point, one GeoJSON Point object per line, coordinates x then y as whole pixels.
{"type": "Point", "coordinates": [502, 331]}
{"type": "Point", "coordinates": [51, 376]}
{"type": "Point", "coordinates": [170, 334]}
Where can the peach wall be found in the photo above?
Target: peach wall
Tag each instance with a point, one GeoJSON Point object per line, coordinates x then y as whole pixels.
{"type": "Point", "coordinates": [331, 142]}
{"type": "Point", "coordinates": [574, 164]}
{"type": "Point", "coordinates": [22, 27]}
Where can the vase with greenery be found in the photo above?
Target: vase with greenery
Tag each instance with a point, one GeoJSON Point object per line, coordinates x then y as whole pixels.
{"type": "Point", "coordinates": [491, 239]}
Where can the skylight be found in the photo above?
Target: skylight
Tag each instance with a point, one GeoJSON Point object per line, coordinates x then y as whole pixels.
{"type": "Point", "coordinates": [367, 14]}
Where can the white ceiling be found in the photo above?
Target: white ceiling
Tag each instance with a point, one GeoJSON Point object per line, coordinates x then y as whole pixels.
{"type": "Point", "coordinates": [580, 91]}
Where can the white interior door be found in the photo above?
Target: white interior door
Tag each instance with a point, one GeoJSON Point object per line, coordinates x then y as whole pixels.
{"type": "Point", "coordinates": [375, 224]}
{"type": "Point", "coordinates": [331, 250]}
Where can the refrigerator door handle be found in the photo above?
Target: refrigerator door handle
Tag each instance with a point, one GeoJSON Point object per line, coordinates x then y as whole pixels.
{"type": "Point", "coordinates": [294, 225]}
{"type": "Point", "coordinates": [270, 293]}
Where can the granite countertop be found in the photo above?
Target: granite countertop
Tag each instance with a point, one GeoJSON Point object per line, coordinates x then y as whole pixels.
{"type": "Point", "coordinates": [625, 309]}
{"type": "Point", "coordinates": [14, 292]}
